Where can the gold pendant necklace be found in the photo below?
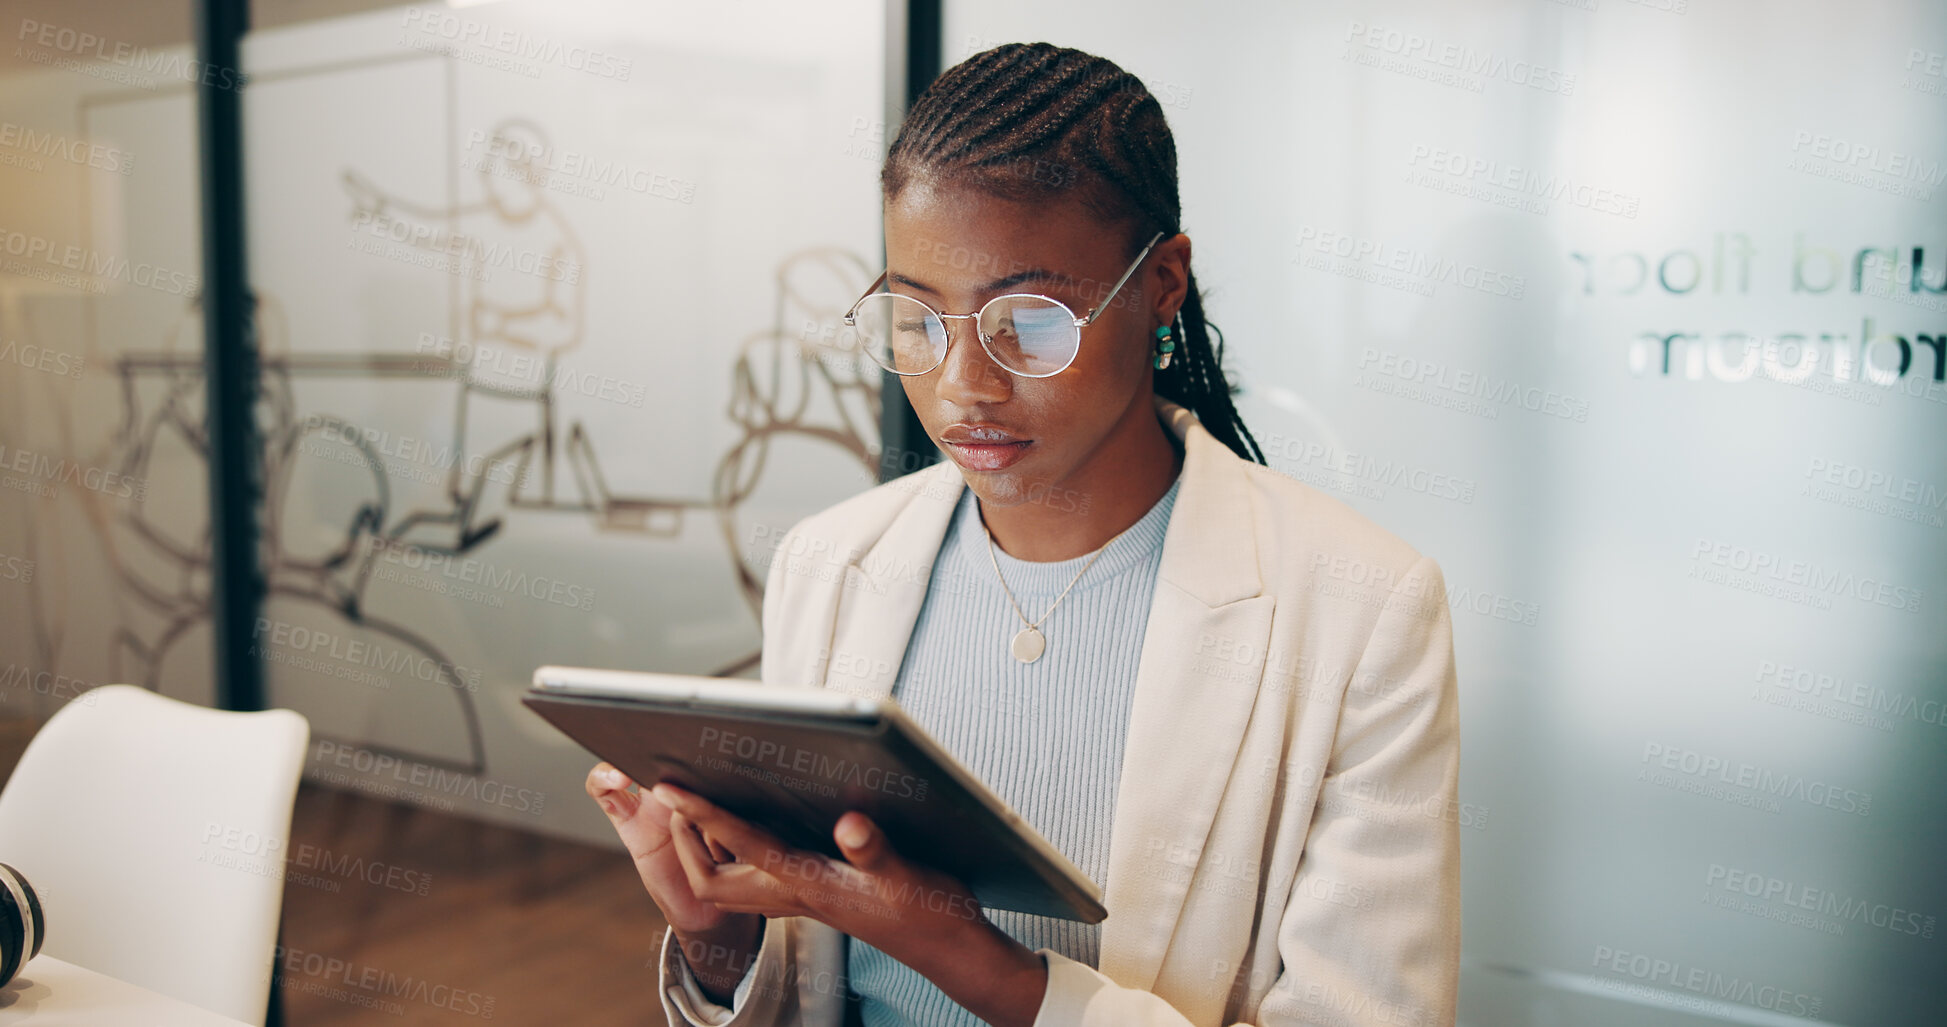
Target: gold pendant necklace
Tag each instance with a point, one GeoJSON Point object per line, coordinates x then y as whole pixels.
{"type": "Point", "coordinates": [1029, 643]}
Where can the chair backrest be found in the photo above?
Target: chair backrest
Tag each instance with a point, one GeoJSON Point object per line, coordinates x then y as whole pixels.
{"type": "Point", "coordinates": [155, 831]}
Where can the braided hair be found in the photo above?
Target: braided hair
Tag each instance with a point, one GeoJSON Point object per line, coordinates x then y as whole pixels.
{"type": "Point", "coordinates": [1032, 121]}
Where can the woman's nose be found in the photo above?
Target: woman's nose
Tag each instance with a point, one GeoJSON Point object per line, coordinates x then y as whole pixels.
{"type": "Point", "coordinates": [968, 376]}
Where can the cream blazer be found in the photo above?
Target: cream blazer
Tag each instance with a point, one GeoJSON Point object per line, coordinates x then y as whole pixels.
{"type": "Point", "coordinates": [1286, 845]}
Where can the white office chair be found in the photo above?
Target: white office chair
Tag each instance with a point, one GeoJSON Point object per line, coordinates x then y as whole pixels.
{"type": "Point", "coordinates": [155, 832]}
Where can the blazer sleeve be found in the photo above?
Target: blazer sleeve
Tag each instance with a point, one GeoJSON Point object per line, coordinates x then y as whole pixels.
{"type": "Point", "coordinates": [684, 1003]}
{"type": "Point", "coordinates": [1370, 935]}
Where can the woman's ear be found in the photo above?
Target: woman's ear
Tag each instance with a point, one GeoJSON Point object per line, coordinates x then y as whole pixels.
{"type": "Point", "coordinates": [1169, 279]}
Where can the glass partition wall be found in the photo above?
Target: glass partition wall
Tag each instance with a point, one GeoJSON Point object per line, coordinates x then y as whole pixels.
{"type": "Point", "coordinates": [544, 296]}
{"type": "Point", "coordinates": [1631, 315]}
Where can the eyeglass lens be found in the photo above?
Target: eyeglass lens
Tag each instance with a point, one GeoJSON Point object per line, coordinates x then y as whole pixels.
{"type": "Point", "coordinates": [1028, 335]}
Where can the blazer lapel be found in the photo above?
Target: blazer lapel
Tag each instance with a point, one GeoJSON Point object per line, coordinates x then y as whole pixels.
{"type": "Point", "coordinates": [1203, 655]}
{"type": "Point", "coordinates": [886, 585]}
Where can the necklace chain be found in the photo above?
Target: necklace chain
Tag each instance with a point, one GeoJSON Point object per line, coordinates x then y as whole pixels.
{"type": "Point", "coordinates": [1035, 625]}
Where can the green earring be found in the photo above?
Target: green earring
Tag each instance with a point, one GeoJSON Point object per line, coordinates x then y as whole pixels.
{"type": "Point", "coordinates": [1164, 346]}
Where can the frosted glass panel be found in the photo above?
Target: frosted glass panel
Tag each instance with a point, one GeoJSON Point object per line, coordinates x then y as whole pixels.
{"type": "Point", "coordinates": [545, 295]}
{"type": "Point", "coordinates": [1630, 314]}
{"type": "Point", "coordinates": [104, 508]}
{"type": "Point", "coordinates": [538, 276]}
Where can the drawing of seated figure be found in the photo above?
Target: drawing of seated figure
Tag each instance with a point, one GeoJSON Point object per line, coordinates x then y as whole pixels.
{"type": "Point", "coordinates": [372, 672]}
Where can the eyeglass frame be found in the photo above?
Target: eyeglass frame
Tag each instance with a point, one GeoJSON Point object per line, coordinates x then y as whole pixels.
{"type": "Point", "coordinates": [851, 318]}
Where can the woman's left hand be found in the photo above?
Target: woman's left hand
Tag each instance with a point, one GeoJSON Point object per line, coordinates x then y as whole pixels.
{"type": "Point", "coordinates": [919, 916]}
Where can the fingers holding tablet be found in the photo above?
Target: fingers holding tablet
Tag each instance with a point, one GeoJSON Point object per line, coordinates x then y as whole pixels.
{"type": "Point", "coordinates": [643, 824]}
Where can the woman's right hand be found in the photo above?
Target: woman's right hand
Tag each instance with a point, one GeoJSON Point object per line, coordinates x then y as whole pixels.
{"type": "Point", "coordinates": [643, 824]}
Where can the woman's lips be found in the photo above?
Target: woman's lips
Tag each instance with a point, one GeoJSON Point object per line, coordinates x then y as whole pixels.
{"type": "Point", "coordinates": [988, 456]}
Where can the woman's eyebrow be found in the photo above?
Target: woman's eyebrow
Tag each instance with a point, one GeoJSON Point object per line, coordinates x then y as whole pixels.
{"type": "Point", "coordinates": [997, 285]}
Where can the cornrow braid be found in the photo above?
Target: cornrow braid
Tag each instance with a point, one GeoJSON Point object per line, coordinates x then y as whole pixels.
{"type": "Point", "coordinates": [1033, 121]}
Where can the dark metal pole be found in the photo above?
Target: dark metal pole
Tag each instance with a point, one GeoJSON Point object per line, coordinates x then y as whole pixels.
{"type": "Point", "coordinates": [903, 443]}
{"type": "Point", "coordinates": [925, 42]}
{"type": "Point", "coordinates": [230, 359]}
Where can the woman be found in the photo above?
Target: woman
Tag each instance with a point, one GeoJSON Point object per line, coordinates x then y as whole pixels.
{"type": "Point", "coordinates": [1226, 697]}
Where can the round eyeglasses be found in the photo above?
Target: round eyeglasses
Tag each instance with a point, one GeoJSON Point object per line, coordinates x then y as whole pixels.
{"type": "Point", "coordinates": [1030, 335]}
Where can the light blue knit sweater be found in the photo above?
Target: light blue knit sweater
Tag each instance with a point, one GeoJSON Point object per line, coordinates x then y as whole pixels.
{"type": "Point", "coordinates": [1046, 736]}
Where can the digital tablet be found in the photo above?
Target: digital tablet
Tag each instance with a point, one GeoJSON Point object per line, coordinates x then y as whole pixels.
{"type": "Point", "coordinates": [793, 760]}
